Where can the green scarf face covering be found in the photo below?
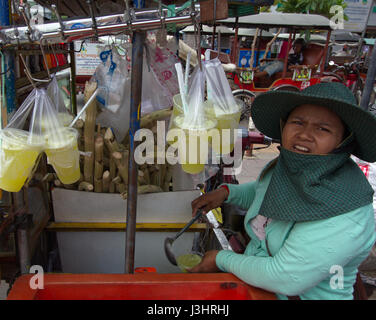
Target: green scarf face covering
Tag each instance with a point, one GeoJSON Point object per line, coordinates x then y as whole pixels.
{"type": "Point", "coordinates": [308, 187]}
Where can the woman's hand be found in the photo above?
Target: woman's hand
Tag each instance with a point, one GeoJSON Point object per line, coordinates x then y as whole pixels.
{"type": "Point", "coordinates": [207, 264]}
{"type": "Point", "coordinates": [209, 201]}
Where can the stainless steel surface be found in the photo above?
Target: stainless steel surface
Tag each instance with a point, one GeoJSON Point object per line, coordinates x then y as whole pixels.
{"type": "Point", "coordinates": [107, 25]}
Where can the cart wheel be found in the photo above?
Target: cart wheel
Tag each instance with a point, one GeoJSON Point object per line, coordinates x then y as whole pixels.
{"type": "Point", "coordinates": [247, 98]}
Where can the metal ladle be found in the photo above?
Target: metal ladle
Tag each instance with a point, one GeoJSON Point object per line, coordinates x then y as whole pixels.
{"type": "Point", "coordinates": [168, 241]}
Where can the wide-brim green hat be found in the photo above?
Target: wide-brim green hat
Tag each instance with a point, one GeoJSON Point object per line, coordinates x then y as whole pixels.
{"type": "Point", "coordinates": [271, 107]}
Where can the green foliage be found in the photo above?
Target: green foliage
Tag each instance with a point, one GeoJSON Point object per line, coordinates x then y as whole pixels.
{"type": "Point", "coordinates": [321, 7]}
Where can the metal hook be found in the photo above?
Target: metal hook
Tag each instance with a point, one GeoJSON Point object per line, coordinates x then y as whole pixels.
{"type": "Point", "coordinates": [44, 57]}
{"type": "Point", "coordinates": [62, 27]}
{"type": "Point", "coordinates": [27, 72]}
{"type": "Point", "coordinates": [128, 16]}
{"type": "Point", "coordinates": [82, 44]}
{"type": "Point", "coordinates": [29, 31]}
{"type": "Point", "coordinates": [94, 21]}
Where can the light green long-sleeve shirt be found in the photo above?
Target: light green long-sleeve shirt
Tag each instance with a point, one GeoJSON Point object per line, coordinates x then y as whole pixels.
{"type": "Point", "coordinates": [308, 258]}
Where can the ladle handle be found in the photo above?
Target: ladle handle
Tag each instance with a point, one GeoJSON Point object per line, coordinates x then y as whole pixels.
{"type": "Point", "coordinates": [196, 217]}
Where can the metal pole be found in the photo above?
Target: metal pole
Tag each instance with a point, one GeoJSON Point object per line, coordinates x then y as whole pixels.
{"type": "Point", "coordinates": [9, 57]}
{"type": "Point", "coordinates": [323, 62]}
{"type": "Point", "coordinates": [73, 78]}
{"type": "Point", "coordinates": [370, 80]}
{"type": "Point", "coordinates": [23, 249]}
{"type": "Point", "coordinates": [363, 33]}
{"type": "Point", "coordinates": [234, 51]}
{"type": "Point", "coordinates": [76, 34]}
{"type": "Point", "coordinates": [135, 112]}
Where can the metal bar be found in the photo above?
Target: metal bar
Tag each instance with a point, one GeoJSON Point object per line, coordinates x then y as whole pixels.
{"type": "Point", "coordinates": [9, 64]}
{"type": "Point", "coordinates": [23, 250]}
{"type": "Point", "coordinates": [134, 125]}
{"type": "Point", "coordinates": [73, 79]}
{"type": "Point", "coordinates": [76, 34]}
{"type": "Point", "coordinates": [287, 54]}
{"type": "Point", "coordinates": [370, 80]}
{"type": "Point", "coordinates": [323, 61]}
{"type": "Point", "coordinates": [361, 39]}
{"type": "Point", "coordinates": [119, 226]}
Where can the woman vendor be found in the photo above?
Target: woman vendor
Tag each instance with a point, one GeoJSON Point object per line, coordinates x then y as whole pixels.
{"type": "Point", "coordinates": [310, 214]}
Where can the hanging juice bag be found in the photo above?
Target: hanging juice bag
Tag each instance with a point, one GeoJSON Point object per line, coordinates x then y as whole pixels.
{"type": "Point", "coordinates": [221, 106]}
{"type": "Point", "coordinates": [194, 123]}
{"type": "Point", "coordinates": [60, 142]}
{"type": "Point", "coordinates": [34, 128]}
{"type": "Point", "coordinates": [19, 148]}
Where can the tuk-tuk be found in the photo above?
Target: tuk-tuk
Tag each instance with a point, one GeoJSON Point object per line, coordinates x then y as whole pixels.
{"type": "Point", "coordinates": [296, 77]}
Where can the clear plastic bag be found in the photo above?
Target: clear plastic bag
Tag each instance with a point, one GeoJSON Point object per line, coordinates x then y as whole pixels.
{"type": "Point", "coordinates": [114, 85]}
{"type": "Point", "coordinates": [222, 105]}
{"type": "Point", "coordinates": [53, 91]}
{"type": "Point", "coordinates": [193, 121]}
{"type": "Point", "coordinates": [34, 128]}
{"type": "Point", "coordinates": [160, 81]}
{"type": "Point", "coordinates": [111, 76]}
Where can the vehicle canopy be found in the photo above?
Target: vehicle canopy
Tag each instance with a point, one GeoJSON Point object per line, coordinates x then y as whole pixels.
{"type": "Point", "coordinates": [272, 20]}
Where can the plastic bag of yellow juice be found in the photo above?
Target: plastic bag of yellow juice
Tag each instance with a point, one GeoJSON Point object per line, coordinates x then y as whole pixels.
{"type": "Point", "coordinates": [221, 106]}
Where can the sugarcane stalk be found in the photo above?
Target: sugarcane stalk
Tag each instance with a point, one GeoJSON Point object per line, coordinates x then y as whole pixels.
{"type": "Point", "coordinates": [140, 178]}
{"type": "Point", "coordinates": [112, 187]}
{"type": "Point", "coordinates": [121, 161]}
{"type": "Point", "coordinates": [117, 180]}
{"type": "Point", "coordinates": [110, 142]}
{"type": "Point", "coordinates": [120, 187]}
{"type": "Point", "coordinates": [148, 121]}
{"type": "Point", "coordinates": [106, 162]}
{"type": "Point", "coordinates": [154, 178]}
{"type": "Point", "coordinates": [98, 185]}
{"type": "Point", "coordinates": [143, 189]}
{"type": "Point", "coordinates": [146, 173]}
{"type": "Point", "coordinates": [168, 178]}
{"type": "Point", "coordinates": [106, 181]}
{"type": "Point", "coordinates": [98, 165]}
{"type": "Point", "coordinates": [85, 186]}
{"type": "Point", "coordinates": [162, 174]}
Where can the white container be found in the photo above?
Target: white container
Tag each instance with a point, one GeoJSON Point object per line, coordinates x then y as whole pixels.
{"type": "Point", "coordinates": [104, 251]}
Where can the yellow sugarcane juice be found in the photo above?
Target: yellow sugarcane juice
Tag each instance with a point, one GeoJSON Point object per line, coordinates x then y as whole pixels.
{"type": "Point", "coordinates": [65, 118]}
{"type": "Point", "coordinates": [188, 261]}
{"type": "Point", "coordinates": [63, 155]}
{"type": "Point", "coordinates": [61, 119]}
{"type": "Point", "coordinates": [18, 154]}
{"type": "Point", "coordinates": [177, 110]}
{"type": "Point", "coordinates": [193, 149]}
{"type": "Point", "coordinates": [229, 121]}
